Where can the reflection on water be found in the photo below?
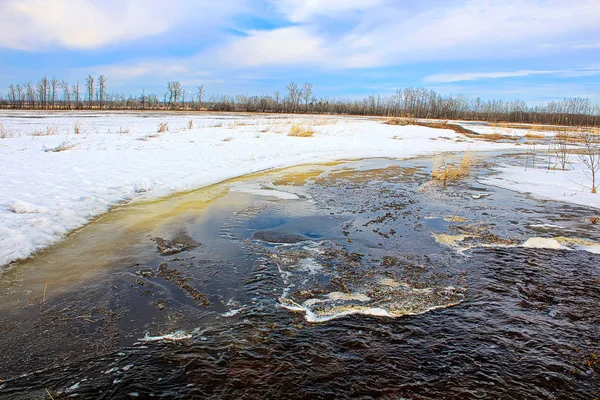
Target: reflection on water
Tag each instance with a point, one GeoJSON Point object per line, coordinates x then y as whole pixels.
{"type": "Point", "coordinates": [324, 281]}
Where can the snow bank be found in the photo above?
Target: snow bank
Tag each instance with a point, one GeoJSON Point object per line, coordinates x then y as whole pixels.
{"type": "Point", "coordinates": [571, 186]}
{"type": "Point", "coordinates": [120, 157]}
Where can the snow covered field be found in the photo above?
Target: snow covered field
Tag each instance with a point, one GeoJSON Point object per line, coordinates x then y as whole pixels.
{"type": "Point", "coordinates": [571, 186]}
{"type": "Point", "coordinates": [120, 157]}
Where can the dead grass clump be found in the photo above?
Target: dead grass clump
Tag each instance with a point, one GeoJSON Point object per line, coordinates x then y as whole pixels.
{"type": "Point", "coordinates": [50, 131]}
{"type": "Point", "coordinates": [190, 124]}
{"type": "Point", "coordinates": [4, 133]}
{"type": "Point", "coordinates": [533, 127]}
{"type": "Point", "coordinates": [436, 125]}
{"type": "Point", "coordinates": [326, 121]}
{"type": "Point", "coordinates": [567, 137]}
{"type": "Point", "coordinates": [399, 122]}
{"type": "Point", "coordinates": [298, 130]}
{"type": "Point", "coordinates": [77, 128]}
{"type": "Point", "coordinates": [442, 173]}
{"type": "Point", "coordinates": [147, 138]}
{"type": "Point", "coordinates": [64, 146]}
{"type": "Point", "coordinates": [162, 127]}
{"type": "Point", "coordinates": [495, 136]}
{"type": "Point", "coordinates": [531, 135]}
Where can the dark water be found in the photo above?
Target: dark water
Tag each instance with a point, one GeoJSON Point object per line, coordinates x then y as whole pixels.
{"type": "Point", "coordinates": [495, 321]}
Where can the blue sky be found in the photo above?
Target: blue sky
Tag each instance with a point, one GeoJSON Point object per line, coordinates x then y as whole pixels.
{"type": "Point", "coordinates": [529, 49]}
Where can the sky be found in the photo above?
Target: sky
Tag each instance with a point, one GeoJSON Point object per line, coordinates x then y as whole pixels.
{"type": "Point", "coordinates": [534, 50]}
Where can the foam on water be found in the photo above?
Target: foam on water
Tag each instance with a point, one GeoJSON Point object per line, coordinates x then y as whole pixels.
{"type": "Point", "coordinates": [311, 283]}
{"type": "Point", "coordinates": [542, 243]}
{"type": "Point", "coordinates": [175, 336]}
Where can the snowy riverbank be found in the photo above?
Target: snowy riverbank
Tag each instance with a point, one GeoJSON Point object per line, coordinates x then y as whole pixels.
{"type": "Point", "coordinates": [120, 157]}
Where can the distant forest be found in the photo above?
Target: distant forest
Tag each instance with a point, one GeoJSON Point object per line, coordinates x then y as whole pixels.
{"type": "Point", "coordinates": [93, 94]}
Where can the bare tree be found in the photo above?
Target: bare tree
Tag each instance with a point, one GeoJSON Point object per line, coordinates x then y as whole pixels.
{"type": "Point", "coordinates": [30, 89]}
{"type": "Point", "coordinates": [101, 89]}
{"type": "Point", "coordinates": [183, 95]}
{"type": "Point", "coordinates": [293, 95]}
{"type": "Point", "coordinates": [590, 156]}
{"type": "Point", "coordinates": [307, 92]}
{"type": "Point", "coordinates": [76, 95]}
{"type": "Point", "coordinates": [200, 95]}
{"type": "Point", "coordinates": [90, 88]}
{"type": "Point", "coordinates": [66, 94]}
{"type": "Point", "coordinates": [20, 95]}
{"type": "Point", "coordinates": [54, 84]}
{"type": "Point", "coordinates": [42, 88]}
{"type": "Point", "coordinates": [174, 89]}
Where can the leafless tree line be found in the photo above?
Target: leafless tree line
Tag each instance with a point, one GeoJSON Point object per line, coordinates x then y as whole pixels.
{"type": "Point", "coordinates": [409, 102]}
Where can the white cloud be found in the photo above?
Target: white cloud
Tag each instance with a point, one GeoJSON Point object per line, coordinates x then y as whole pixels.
{"type": "Point", "coordinates": [475, 76]}
{"type": "Point", "coordinates": [78, 24]}
{"type": "Point", "coordinates": [89, 24]}
{"type": "Point", "coordinates": [388, 33]}
{"type": "Point", "coordinates": [304, 10]}
{"type": "Point", "coordinates": [284, 46]}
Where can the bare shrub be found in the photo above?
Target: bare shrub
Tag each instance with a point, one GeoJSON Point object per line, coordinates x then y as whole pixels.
{"type": "Point", "coordinates": [162, 127]}
{"type": "Point", "coordinates": [64, 146]}
{"type": "Point", "coordinates": [560, 147]}
{"type": "Point", "coordinates": [590, 157]}
{"type": "Point", "coordinates": [298, 130]}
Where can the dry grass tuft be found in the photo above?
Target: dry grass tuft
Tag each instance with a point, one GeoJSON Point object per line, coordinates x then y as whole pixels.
{"type": "Point", "coordinates": [567, 137]}
{"type": "Point", "coordinates": [531, 135]}
{"type": "Point", "coordinates": [77, 128]}
{"type": "Point", "coordinates": [147, 138]}
{"type": "Point", "coordinates": [50, 131]}
{"type": "Point", "coordinates": [442, 173]}
{"type": "Point", "coordinates": [162, 127]}
{"type": "Point", "coordinates": [4, 133]}
{"type": "Point", "coordinates": [404, 121]}
{"type": "Point", "coordinates": [436, 125]}
{"type": "Point", "coordinates": [190, 124]}
{"type": "Point", "coordinates": [326, 121]}
{"type": "Point", "coordinates": [298, 130]}
{"type": "Point", "coordinates": [64, 146]}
